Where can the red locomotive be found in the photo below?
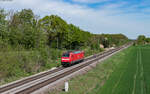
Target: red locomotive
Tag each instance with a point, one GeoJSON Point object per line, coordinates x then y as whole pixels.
{"type": "Point", "coordinates": [72, 57]}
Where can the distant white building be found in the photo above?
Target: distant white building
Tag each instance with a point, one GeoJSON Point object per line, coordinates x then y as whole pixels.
{"type": "Point", "coordinates": [101, 46]}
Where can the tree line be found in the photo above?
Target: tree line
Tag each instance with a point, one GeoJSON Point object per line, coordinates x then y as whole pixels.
{"type": "Point", "coordinates": [27, 30]}
{"type": "Point", "coordinates": [142, 40]}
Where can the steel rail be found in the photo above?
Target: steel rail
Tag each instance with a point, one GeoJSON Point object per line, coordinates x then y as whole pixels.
{"type": "Point", "coordinates": [19, 83]}
{"type": "Point", "coordinates": [57, 77]}
{"type": "Point", "coordinates": [39, 85]}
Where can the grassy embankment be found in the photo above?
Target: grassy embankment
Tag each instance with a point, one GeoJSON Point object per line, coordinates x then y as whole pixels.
{"type": "Point", "coordinates": [94, 79]}
{"type": "Point", "coordinates": [22, 63]}
{"type": "Point", "coordinates": [124, 73]}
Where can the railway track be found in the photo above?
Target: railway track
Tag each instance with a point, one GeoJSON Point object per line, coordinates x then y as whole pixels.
{"type": "Point", "coordinates": [36, 82]}
{"type": "Point", "coordinates": [8, 87]}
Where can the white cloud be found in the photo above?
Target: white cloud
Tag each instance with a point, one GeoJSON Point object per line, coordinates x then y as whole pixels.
{"type": "Point", "coordinates": [89, 1]}
{"type": "Point", "coordinates": [107, 19]}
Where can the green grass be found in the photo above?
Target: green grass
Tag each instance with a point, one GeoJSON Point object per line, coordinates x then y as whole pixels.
{"type": "Point", "coordinates": [94, 79]}
{"type": "Point", "coordinates": [121, 79]}
{"type": "Point", "coordinates": [145, 58]}
{"type": "Point", "coordinates": [132, 77]}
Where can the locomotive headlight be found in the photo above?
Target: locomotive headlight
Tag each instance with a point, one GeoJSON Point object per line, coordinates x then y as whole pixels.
{"type": "Point", "coordinates": [65, 59]}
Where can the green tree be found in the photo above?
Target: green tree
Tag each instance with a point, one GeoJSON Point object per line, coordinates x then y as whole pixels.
{"type": "Point", "coordinates": [56, 29]}
{"type": "Point", "coordinates": [25, 30]}
{"type": "Point", "coordinates": [3, 25]}
{"type": "Point", "coordinates": [141, 39]}
{"type": "Point", "coordinates": [148, 40]}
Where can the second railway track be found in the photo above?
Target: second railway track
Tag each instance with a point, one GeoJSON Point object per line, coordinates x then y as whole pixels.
{"type": "Point", "coordinates": [36, 82]}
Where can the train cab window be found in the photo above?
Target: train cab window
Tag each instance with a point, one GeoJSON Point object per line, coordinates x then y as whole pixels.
{"type": "Point", "coordinates": [65, 55]}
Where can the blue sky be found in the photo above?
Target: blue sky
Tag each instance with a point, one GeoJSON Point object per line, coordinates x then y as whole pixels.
{"type": "Point", "coordinates": [130, 17]}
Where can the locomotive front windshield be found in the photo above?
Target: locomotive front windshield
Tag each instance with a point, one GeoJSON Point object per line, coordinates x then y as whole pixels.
{"type": "Point", "coordinates": [66, 55]}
